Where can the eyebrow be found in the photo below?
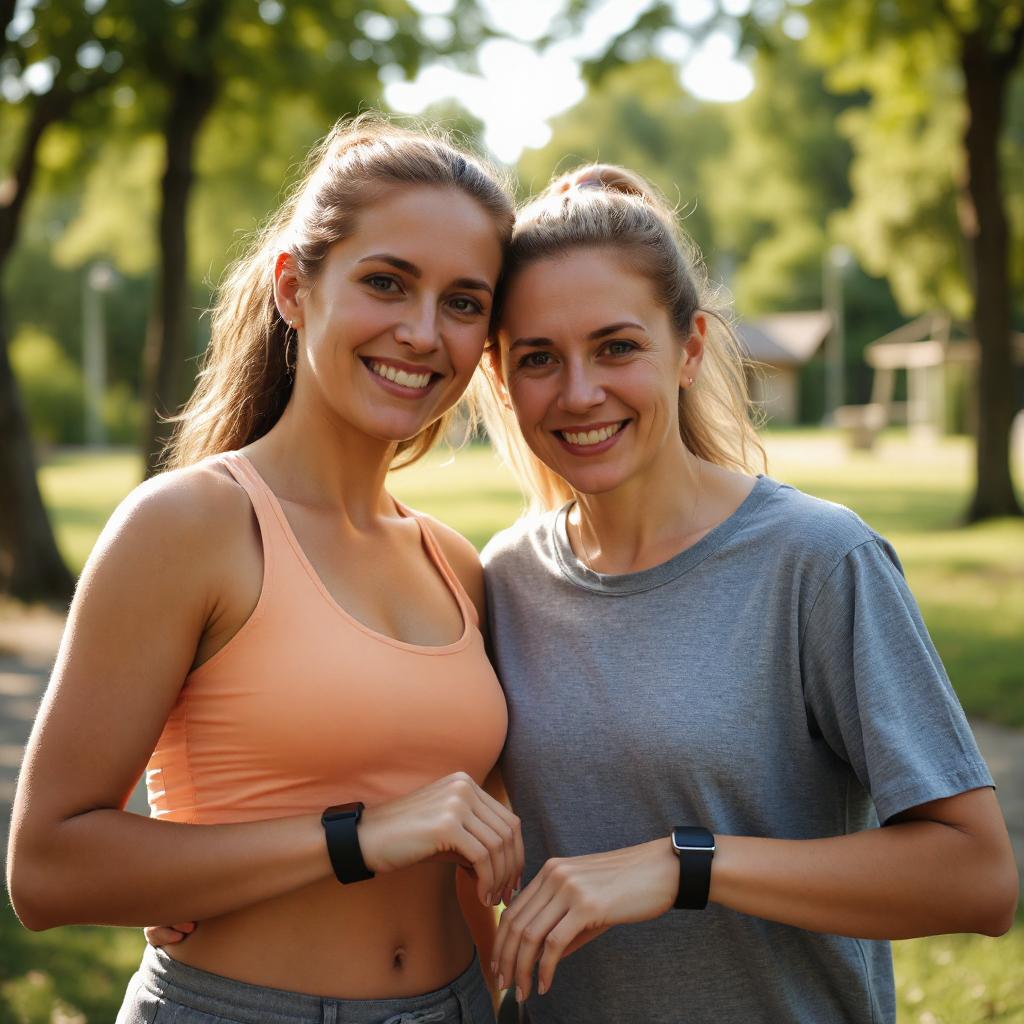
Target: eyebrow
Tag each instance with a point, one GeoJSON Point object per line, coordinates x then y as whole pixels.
{"type": "Point", "coordinates": [601, 332]}
{"type": "Point", "coordinates": [473, 283]}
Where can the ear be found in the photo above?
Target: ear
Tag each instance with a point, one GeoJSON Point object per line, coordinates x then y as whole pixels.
{"type": "Point", "coordinates": [288, 293]}
{"type": "Point", "coordinates": [693, 349]}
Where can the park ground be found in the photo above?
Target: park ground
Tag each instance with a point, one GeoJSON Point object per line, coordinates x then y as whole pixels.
{"type": "Point", "coordinates": [969, 582]}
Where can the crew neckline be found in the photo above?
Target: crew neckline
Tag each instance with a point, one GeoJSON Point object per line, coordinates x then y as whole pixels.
{"type": "Point", "coordinates": [622, 584]}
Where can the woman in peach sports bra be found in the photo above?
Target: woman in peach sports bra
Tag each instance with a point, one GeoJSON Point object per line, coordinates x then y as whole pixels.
{"type": "Point", "coordinates": [295, 654]}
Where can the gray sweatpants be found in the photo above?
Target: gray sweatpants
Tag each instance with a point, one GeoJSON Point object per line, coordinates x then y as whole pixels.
{"type": "Point", "coordinates": [162, 991]}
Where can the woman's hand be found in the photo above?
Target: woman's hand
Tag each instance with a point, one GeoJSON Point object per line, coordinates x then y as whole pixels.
{"type": "Point", "coordinates": [573, 900]}
{"type": "Point", "coordinates": [168, 934]}
{"type": "Point", "coordinates": [451, 819]}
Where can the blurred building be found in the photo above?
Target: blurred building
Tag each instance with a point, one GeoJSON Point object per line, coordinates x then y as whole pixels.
{"type": "Point", "coordinates": [780, 344]}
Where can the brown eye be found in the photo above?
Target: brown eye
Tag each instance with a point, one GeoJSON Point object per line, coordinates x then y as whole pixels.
{"type": "Point", "coordinates": [382, 283]}
{"type": "Point", "coordinates": [620, 347]}
{"type": "Point", "coordinates": [535, 360]}
{"type": "Point", "coordinates": [463, 304]}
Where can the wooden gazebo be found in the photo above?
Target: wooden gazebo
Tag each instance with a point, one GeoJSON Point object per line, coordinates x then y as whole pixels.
{"type": "Point", "coordinates": [924, 348]}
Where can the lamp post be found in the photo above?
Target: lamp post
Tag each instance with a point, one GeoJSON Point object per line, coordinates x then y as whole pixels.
{"type": "Point", "coordinates": [837, 259]}
{"type": "Point", "coordinates": [100, 278]}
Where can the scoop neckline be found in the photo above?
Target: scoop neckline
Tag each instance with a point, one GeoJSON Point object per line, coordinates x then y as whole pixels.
{"type": "Point", "coordinates": [623, 584]}
{"type": "Point", "coordinates": [429, 548]}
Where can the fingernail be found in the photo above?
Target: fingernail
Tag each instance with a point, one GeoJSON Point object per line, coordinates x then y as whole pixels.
{"type": "Point", "coordinates": [501, 982]}
{"type": "Point", "coordinates": [487, 900]}
{"type": "Point", "coordinates": [519, 994]}
{"type": "Point", "coordinates": [541, 988]}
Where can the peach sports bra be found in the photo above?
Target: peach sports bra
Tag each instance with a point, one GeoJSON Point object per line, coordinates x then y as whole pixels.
{"type": "Point", "coordinates": [305, 706]}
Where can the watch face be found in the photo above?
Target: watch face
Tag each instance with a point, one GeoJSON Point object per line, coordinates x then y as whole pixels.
{"type": "Point", "coordinates": [692, 837]}
{"type": "Point", "coordinates": [352, 810]}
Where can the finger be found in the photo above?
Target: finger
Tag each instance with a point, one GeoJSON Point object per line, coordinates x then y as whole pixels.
{"type": "Point", "coordinates": [505, 855]}
{"type": "Point", "coordinates": [515, 854]}
{"type": "Point", "coordinates": [479, 860]}
{"type": "Point", "coordinates": [534, 938]}
{"type": "Point", "coordinates": [560, 941]}
{"type": "Point", "coordinates": [163, 935]}
{"type": "Point", "coordinates": [519, 905]}
{"type": "Point", "coordinates": [520, 861]}
{"type": "Point", "coordinates": [516, 859]}
{"type": "Point", "coordinates": [512, 931]}
{"type": "Point", "coordinates": [490, 843]}
{"type": "Point", "coordinates": [503, 938]}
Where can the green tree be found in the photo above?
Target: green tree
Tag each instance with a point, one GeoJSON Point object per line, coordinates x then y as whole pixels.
{"type": "Point", "coordinates": [776, 197]}
{"type": "Point", "coordinates": [930, 177]}
{"type": "Point", "coordinates": [202, 53]}
{"type": "Point", "coordinates": [889, 50]}
{"type": "Point", "coordinates": [784, 174]}
{"type": "Point", "coordinates": [54, 60]}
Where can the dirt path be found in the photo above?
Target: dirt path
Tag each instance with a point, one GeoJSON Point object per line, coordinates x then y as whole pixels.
{"type": "Point", "coordinates": [28, 643]}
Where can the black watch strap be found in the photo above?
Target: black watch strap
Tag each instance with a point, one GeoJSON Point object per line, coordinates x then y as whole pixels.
{"type": "Point", "coordinates": [695, 848]}
{"type": "Point", "coordinates": [341, 832]}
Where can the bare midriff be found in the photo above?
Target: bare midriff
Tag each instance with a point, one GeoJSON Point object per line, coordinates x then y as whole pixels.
{"type": "Point", "coordinates": [399, 934]}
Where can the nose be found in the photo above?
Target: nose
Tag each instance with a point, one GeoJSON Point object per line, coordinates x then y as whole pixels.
{"type": "Point", "coordinates": [419, 331]}
{"type": "Point", "coordinates": [581, 388]}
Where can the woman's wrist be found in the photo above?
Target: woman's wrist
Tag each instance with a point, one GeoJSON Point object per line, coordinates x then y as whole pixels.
{"type": "Point", "coordinates": [661, 870]}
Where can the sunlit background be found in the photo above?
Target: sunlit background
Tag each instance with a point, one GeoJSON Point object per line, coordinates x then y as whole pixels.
{"type": "Point", "coordinates": [846, 169]}
{"type": "Point", "coordinates": [520, 86]}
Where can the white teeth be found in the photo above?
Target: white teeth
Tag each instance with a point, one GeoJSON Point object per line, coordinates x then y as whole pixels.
{"type": "Point", "coordinates": [592, 436]}
{"type": "Point", "coordinates": [400, 377]}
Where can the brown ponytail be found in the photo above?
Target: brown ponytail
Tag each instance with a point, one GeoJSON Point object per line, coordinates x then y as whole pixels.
{"type": "Point", "coordinates": [247, 372]}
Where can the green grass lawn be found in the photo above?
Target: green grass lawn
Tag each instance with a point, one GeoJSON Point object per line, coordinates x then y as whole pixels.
{"type": "Point", "coordinates": [969, 582]}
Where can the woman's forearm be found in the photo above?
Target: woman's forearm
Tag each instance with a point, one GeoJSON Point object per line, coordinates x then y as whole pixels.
{"type": "Point", "coordinates": [906, 880]}
{"type": "Point", "coordinates": [112, 867]}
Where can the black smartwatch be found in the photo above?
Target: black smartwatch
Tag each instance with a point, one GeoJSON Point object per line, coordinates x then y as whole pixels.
{"type": "Point", "coordinates": [695, 848]}
{"type": "Point", "coordinates": [342, 836]}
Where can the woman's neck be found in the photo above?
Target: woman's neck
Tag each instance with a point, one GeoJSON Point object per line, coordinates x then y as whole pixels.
{"type": "Point", "coordinates": [644, 521]}
{"type": "Point", "coordinates": [316, 460]}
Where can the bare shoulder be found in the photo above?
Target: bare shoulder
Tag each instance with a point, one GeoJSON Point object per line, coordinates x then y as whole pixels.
{"type": "Point", "coordinates": [178, 521]}
{"type": "Point", "coordinates": [462, 557]}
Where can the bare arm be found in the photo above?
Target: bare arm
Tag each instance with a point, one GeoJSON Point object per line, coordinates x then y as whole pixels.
{"type": "Point", "coordinates": [150, 592]}
{"type": "Point", "coordinates": [480, 918]}
{"type": "Point", "coordinates": [143, 602]}
{"type": "Point", "coordinates": [945, 866]}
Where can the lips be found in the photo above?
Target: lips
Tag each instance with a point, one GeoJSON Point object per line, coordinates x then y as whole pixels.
{"type": "Point", "coordinates": [591, 438]}
{"type": "Point", "coordinates": [585, 436]}
{"type": "Point", "coordinates": [406, 377]}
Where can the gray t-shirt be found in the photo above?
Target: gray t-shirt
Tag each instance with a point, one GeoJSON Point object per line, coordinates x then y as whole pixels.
{"type": "Point", "coordinates": [775, 679]}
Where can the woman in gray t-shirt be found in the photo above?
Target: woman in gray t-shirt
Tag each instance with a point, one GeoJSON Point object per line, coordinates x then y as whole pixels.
{"type": "Point", "coordinates": [684, 643]}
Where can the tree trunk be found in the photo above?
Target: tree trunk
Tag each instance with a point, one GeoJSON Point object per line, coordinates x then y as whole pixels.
{"type": "Point", "coordinates": [192, 99]}
{"type": "Point", "coordinates": [986, 76]}
{"type": "Point", "coordinates": [31, 567]}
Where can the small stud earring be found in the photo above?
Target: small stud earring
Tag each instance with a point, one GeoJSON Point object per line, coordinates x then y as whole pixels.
{"type": "Point", "coordinates": [690, 379]}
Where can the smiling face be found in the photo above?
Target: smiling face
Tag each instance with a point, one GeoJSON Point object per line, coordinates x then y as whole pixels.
{"type": "Point", "coordinates": [394, 324]}
{"type": "Point", "coordinates": [593, 368]}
